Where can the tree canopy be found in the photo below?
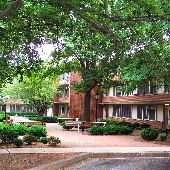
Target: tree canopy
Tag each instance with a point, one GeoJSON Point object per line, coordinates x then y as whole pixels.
{"type": "Point", "coordinates": [101, 38]}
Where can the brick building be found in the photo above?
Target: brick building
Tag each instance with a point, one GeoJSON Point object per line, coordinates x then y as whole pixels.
{"type": "Point", "coordinates": [145, 104]}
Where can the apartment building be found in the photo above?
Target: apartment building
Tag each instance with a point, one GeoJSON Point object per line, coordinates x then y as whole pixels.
{"type": "Point", "coordinates": [146, 104]}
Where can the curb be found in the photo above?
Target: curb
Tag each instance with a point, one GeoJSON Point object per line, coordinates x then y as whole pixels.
{"type": "Point", "coordinates": [64, 163]}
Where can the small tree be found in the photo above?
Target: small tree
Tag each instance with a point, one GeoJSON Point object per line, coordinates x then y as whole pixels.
{"type": "Point", "coordinates": [35, 90]}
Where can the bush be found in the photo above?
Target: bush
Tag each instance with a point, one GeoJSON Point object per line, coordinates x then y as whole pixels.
{"type": "Point", "coordinates": [65, 127]}
{"type": "Point", "coordinates": [18, 142]}
{"type": "Point", "coordinates": [44, 140]}
{"type": "Point", "coordinates": [21, 129]}
{"type": "Point", "coordinates": [29, 139]}
{"type": "Point", "coordinates": [49, 119]}
{"type": "Point", "coordinates": [96, 130]}
{"type": "Point", "coordinates": [124, 123]}
{"type": "Point", "coordinates": [7, 133]}
{"type": "Point", "coordinates": [111, 130]}
{"type": "Point", "coordinates": [135, 125]}
{"type": "Point", "coordinates": [145, 125]}
{"type": "Point", "coordinates": [53, 141]}
{"type": "Point", "coordinates": [125, 130]}
{"type": "Point", "coordinates": [149, 134]}
{"type": "Point", "coordinates": [163, 138]}
{"type": "Point", "coordinates": [37, 131]}
{"type": "Point", "coordinates": [37, 118]}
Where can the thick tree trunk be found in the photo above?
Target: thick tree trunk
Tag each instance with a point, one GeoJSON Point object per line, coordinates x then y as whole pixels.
{"type": "Point", "coordinates": [86, 106]}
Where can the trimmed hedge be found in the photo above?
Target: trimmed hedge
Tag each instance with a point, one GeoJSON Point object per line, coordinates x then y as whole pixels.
{"type": "Point", "coordinates": [111, 130]}
{"type": "Point", "coordinates": [96, 130]}
{"type": "Point", "coordinates": [149, 134]}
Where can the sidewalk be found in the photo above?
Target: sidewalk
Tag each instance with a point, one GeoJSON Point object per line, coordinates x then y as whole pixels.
{"type": "Point", "coordinates": [141, 150]}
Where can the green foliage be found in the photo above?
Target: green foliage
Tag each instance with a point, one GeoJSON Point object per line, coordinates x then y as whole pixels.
{"type": "Point", "coordinates": [66, 127]}
{"type": "Point", "coordinates": [111, 130]}
{"type": "Point", "coordinates": [124, 123]}
{"type": "Point", "coordinates": [18, 142]}
{"type": "Point", "coordinates": [125, 130]}
{"type": "Point", "coordinates": [163, 137]}
{"type": "Point", "coordinates": [29, 138]}
{"type": "Point", "coordinates": [37, 118]}
{"type": "Point", "coordinates": [37, 131]}
{"type": "Point", "coordinates": [96, 130]}
{"type": "Point", "coordinates": [23, 114]}
{"type": "Point", "coordinates": [21, 129]}
{"type": "Point", "coordinates": [108, 121]}
{"type": "Point", "coordinates": [135, 125]}
{"type": "Point", "coordinates": [145, 125]}
{"type": "Point", "coordinates": [101, 44]}
{"type": "Point", "coordinates": [44, 140]}
{"type": "Point", "coordinates": [49, 119]}
{"type": "Point", "coordinates": [7, 133]}
{"type": "Point", "coordinates": [53, 141]}
{"type": "Point", "coordinates": [149, 134]}
{"type": "Point", "coordinates": [2, 117]}
{"type": "Point", "coordinates": [35, 90]}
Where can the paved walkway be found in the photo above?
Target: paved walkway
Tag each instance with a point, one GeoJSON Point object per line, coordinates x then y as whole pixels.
{"type": "Point", "coordinates": [73, 141]}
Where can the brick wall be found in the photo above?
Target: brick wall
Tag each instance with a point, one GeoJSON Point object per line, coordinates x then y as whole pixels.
{"type": "Point", "coordinates": [154, 124]}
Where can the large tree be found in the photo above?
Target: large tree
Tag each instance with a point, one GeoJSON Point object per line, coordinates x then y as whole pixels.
{"type": "Point", "coordinates": [97, 34]}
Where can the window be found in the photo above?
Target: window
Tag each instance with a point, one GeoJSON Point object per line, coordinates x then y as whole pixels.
{"type": "Point", "coordinates": [116, 111]}
{"type": "Point", "coordinates": [148, 88]}
{"type": "Point", "coordinates": [166, 88]}
{"type": "Point", "coordinates": [64, 91]}
{"type": "Point", "coordinates": [146, 112]}
{"type": "Point", "coordinates": [63, 109]}
{"type": "Point", "coordinates": [122, 111]}
{"type": "Point", "coordinates": [126, 111]}
{"type": "Point", "coordinates": [144, 89]}
{"type": "Point", "coordinates": [117, 91]}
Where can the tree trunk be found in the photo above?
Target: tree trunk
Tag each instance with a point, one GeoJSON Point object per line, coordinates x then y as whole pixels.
{"type": "Point", "coordinates": [41, 111]}
{"type": "Point", "coordinates": [86, 106]}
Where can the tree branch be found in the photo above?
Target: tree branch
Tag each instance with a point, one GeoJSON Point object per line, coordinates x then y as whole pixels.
{"type": "Point", "coordinates": [106, 7]}
{"type": "Point", "coordinates": [94, 24]}
{"type": "Point", "coordinates": [137, 18]}
{"type": "Point", "coordinates": [11, 8]}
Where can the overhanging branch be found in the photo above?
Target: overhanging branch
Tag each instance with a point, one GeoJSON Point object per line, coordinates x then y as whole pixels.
{"type": "Point", "coordinates": [94, 24]}
{"type": "Point", "coordinates": [138, 18]}
{"type": "Point", "coordinates": [11, 8]}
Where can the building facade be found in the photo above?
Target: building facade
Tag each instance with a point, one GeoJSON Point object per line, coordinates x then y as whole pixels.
{"type": "Point", "coordinates": [147, 104]}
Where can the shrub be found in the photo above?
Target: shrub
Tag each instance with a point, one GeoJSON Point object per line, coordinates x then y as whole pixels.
{"type": "Point", "coordinates": [29, 139]}
{"type": "Point", "coordinates": [7, 133]}
{"type": "Point", "coordinates": [21, 129]}
{"type": "Point", "coordinates": [49, 119]}
{"type": "Point", "coordinates": [44, 140]}
{"type": "Point", "coordinates": [37, 131]}
{"type": "Point", "coordinates": [37, 118]}
{"type": "Point", "coordinates": [149, 134]}
{"type": "Point", "coordinates": [135, 125]}
{"type": "Point", "coordinates": [163, 138]}
{"type": "Point", "coordinates": [111, 130]}
{"type": "Point", "coordinates": [53, 141]}
{"type": "Point", "coordinates": [96, 130]}
{"type": "Point", "coordinates": [124, 123]}
{"type": "Point", "coordinates": [125, 130]}
{"type": "Point", "coordinates": [65, 127]}
{"type": "Point", "coordinates": [145, 125]}
{"type": "Point", "coordinates": [18, 142]}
